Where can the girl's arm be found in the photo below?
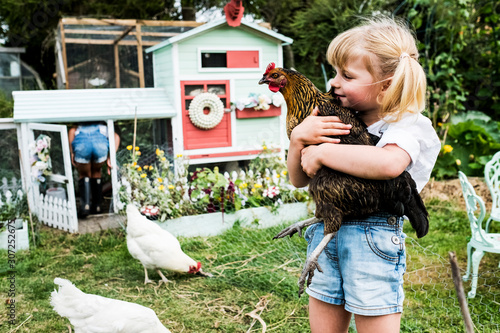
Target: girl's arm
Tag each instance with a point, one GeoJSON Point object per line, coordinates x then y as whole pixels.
{"type": "Point", "coordinates": [367, 162]}
{"type": "Point", "coordinates": [313, 130]}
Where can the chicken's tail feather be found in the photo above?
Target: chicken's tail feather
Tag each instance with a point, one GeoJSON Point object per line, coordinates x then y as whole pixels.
{"type": "Point", "coordinates": [68, 300]}
{"type": "Point", "coordinates": [417, 214]}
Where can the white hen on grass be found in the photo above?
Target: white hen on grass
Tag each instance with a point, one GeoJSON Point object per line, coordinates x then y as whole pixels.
{"type": "Point", "coordinates": [90, 313]}
{"type": "Point", "coordinates": [156, 248]}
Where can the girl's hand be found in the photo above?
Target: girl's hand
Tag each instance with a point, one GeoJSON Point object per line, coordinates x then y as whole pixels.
{"type": "Point", "coordinates": [318, 129]}
{"type": "Point", "coordinates": [311, 159]}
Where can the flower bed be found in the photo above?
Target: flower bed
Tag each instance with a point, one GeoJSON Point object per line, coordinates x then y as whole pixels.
{"type": "Point", "coordinates": [165, 194]}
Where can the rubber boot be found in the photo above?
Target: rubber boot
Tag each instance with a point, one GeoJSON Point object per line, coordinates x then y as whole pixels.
{"type": "Point", "coordinates": [84, 187]}
{"type": "Point", "coordinates": [96, 186]}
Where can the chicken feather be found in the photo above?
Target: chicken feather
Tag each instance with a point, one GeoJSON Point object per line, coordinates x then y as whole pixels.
{"type": "Point", "coordinates": [90, 313]}
{"type": "Point", "coordinates": [156, 248]}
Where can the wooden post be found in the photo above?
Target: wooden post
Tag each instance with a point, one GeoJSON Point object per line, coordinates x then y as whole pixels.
{"type": "Point", "coordinates": [117, 56]}
{"type": "Point", "coordinates": [117, 66]}
{"type": "Point", "coordinates": [462, 301]}
{"type": "Point", "coordinates": [65, 58]}
{"type": "Point", "coordinates": [140, 59]}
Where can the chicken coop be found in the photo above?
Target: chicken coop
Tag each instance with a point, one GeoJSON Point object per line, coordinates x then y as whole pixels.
{"type": "Point", "coordinates": [205, 101]}
{"type": "Point", "coordinates": [217, 65]}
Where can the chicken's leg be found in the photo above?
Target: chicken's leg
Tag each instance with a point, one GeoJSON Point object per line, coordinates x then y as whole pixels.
{"type": "Point", "coordinates": [296, 227]}
{"type": "Point", "coordinates": [146, 279]}
{"type": "Point", "coordinates": [163, 278]}
{"type": "Point", "coordinates": [312, 262]}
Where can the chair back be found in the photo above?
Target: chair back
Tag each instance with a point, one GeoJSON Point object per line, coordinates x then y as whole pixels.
{"type": "Point", "coordinates": [476, 211]}
{"type": "Point", "coordinates": [492, 179]}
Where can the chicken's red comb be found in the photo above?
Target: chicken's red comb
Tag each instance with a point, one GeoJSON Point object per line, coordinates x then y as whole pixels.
{"type": "Point", "coordinates": [270, 67]}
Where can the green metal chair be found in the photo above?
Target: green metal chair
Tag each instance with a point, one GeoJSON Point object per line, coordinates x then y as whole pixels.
{"type": "Point", "coordinates": [492, 179]}
{"type": "Point", "coordinates": [481, 240]}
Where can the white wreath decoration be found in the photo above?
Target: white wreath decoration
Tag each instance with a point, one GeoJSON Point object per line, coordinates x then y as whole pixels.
{"type": "Point", "coordinates": [199, 118]}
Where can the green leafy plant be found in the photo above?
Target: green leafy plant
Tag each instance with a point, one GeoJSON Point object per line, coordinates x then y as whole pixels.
{"type": "Point", "coordinates": [470, 141]}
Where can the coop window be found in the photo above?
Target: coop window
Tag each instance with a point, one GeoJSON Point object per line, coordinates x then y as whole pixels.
{"type": "Point", "coordinates": [230, 59]}
{"type": "Point", "coordinates": [213, 59]}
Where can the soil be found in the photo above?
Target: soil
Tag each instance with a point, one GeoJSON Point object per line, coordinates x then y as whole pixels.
{"type": "Point", "coordinates": [450, 190]}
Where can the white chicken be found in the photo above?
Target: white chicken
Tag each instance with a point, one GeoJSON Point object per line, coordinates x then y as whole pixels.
{"type": "Point", "coordinates": [156, 248]}
{"type": "Point", "coordinates": [96, 314]}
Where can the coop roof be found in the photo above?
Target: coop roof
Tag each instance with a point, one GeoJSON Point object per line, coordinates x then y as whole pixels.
{"type": "Point", "coordinates": [216, 23]}
{"type": "Point", "coordinates": [73, 105]}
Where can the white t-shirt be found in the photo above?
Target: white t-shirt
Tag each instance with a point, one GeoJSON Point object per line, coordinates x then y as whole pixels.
{"type": "Point", "coordinates": [413, 133]}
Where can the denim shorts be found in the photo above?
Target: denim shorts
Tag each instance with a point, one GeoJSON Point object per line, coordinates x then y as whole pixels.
{"type": "Point", "coordinates": [363, 265]}
{"type": "Point", "coordinates": [90, 145]}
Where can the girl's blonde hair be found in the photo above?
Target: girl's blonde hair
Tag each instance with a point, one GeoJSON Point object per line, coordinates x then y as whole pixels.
{"type": "Point", "coordinates": [389, 51]}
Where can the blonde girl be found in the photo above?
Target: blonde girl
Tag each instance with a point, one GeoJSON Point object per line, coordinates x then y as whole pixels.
{"type": "Point", "coordinates": [379, 76]}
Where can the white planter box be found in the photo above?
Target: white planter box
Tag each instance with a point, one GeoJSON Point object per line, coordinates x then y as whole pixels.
{"type": "Point", "coordinates": [216, 223]}
{"type": "Point", "coordinates": [21, 240]}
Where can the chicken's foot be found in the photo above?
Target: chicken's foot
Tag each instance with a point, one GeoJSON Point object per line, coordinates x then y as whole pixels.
{"type": "Point", "coordinates": [312, 262]}
{"type": "Point", "coordinates": [163, 278]}
{"type": "Point", "coordinates": [296, 227]}
{"type": "Point", "coordinates": [146, 279]}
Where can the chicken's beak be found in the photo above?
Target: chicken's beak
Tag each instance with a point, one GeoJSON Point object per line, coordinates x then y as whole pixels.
{"type": "Point", "coordinates": [263, 80]}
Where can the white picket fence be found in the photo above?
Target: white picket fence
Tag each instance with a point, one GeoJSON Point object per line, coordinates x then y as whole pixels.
{"type": "Point", "coordinates": [56, 213]}
{"type": "Point", "coordinates": [52, 211]}
{"type": "Point", "coordinates": [12, 186]}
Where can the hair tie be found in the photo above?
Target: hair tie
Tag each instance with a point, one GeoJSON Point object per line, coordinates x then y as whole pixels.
{"type": "Point", "coordinates": [403, 55]}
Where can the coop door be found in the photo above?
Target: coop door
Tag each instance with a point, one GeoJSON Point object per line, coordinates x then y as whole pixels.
{"type": "Point", "coordinates": [51, 190]}
{"type": "Point", "coordinates": [217, 136]}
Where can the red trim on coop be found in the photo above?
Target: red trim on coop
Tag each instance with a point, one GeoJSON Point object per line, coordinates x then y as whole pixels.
{"type": "Point", "coordinates": [274, 111]}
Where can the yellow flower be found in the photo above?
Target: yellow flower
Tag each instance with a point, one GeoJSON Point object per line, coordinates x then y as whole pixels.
{"type": "Point", "coordinates": [160, 180]}
{"type": "Point", "coordinates": [243, 185]}
{"type": "Point", "coordinates": [178, 155]}
{"type": "Point", "coordinates": [285, 172]}
{"type": "Point", "coordinates": [258, 185]}
{"type": "Point", "coordinates": [139, 169]}
{"type": "Point", "coordinates": [138, 153]}
{"type": "Point", "coordinates": [447, 149]}
{"type": "Point", "coordinates": [129, 147]}
{"type": "Point", "coordinates": [136, 148]}
{"type": "Point", "coordinates": [171, 187]}
{"type": "Point", "coordinates": [264, 147]}
{"type": "Point", "coordinates": [267, 178]}
{"type": "Point", "coordinates": [440, 124]}
{"type": "Point", "coordinates": [161, 187]}
{"type": "Point", "coordinates": [143, 175]}
{"type": "Point", "coordinates": [158, 151]}
{"type": "Point", "coordinates": [278, 175]}
{"type": "Point", "coordinates": [458, 162]}
{"type": "Point", "coordinates": [145, 167]}
{"type": "Point", "coordinates": [163, 158]}
{"type": "Point", "coordinates": [134, 164]}
{"type": "Point", "coordinates": [151, 167]}
{"type": "Point", "coordinates": [253, 190]}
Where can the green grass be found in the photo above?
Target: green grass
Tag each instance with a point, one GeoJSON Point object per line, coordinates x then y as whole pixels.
{"type": "Point", "coordinates": [251, 271]}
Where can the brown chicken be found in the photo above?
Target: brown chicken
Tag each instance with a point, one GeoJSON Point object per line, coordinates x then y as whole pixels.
{"type": "Point", "coordinates": [338, 195]}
